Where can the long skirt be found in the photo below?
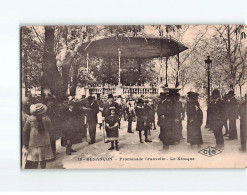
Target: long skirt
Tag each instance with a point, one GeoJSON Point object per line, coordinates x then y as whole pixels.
{"type": "Point", "coordinates": [177, 131]}
{"type": "Point", "coordinates": [112, 134]}
{"type": "Point", "coordinates": [232, 129]}
{"type": "Point", "coordinates": [194, 134]}
{"type": "Point", "coordinates": [38, 154]}
{"type": "Point", "coordinates": [166, 134]}
{"type": "Point", "coordinates": [140, 126]}
{"type": "Point", "coordinates": [72, 130]}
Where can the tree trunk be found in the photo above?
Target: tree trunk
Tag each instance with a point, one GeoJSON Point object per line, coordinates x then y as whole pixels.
{"type": "Point", "coordinates": [65, 73]}
{"type": "Point", "coordinates": [74, 81]}
{"type": "Point", "coordinates": [25, 73]}
{"type": "Point", "coordinates": [50, 75]}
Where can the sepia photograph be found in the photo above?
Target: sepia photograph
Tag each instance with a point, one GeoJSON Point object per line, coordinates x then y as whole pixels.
{"type": "Point", "coordinates": [133, 96]}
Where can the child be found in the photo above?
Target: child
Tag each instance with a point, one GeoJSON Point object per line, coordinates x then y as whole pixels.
{"type": "Point", "coordinates": [142, 121]}
{"type": "Point", "coordinates": [112, 124]}
{"type": "Point", "coordinates": [36, 138]}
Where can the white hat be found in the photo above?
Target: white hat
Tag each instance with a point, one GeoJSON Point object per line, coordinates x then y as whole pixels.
{"type": "Point", "coordinates": [38, 109]}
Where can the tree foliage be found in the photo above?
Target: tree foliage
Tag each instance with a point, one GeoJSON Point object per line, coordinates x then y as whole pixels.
{"type": "Point", "coordinates": [52, 57]}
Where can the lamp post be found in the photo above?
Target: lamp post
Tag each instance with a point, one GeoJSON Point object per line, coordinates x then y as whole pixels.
{"type": "Point", "coordinates": [119, 67]}
{"type": "Point", "coordinates": [177, 78]}
{"type": "Point", "coordinates": [166, 85]}
{"type": "Point", "coordinates": [208, 63]}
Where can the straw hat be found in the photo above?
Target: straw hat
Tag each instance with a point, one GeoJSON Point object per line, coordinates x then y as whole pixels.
{"type": "Point", "coordinates": [38, 109]}
{"type": "Point", "coordinates": [112, 108]}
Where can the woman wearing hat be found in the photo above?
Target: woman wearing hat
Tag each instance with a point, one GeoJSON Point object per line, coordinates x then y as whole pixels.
{"type": "Point", "coordinates": [233, 115]}
{"type": "Point", "coordinates": [36, 138]}
{"type": "Point", "coordinates": [165, 120]}
{"type": "Point", "coordinates": [111, 125]}
{"type": "Point", "coordinates": [72, 127]}
{"type": "Point", "coordinates": [194, 120]}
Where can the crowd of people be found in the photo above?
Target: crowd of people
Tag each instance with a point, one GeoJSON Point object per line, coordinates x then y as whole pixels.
{"type": "Point", "coordinates": [47, 120]}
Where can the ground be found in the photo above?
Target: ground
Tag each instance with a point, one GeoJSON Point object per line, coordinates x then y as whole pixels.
{"type": "Point", "coordinates": [134, 154]}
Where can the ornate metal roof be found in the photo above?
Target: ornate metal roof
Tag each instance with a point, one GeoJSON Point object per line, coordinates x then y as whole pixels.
{"type": "Point", "coordinates": [142, 47]}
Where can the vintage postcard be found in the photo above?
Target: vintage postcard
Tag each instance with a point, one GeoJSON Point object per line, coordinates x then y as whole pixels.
{"type": "Point", "coordinates": [133, 96]}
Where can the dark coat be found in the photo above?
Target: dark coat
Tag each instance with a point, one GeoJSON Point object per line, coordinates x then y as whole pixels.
{"type": "Point", "coordinates": [141, 118]}
{"type": "Point", "coordinates": [106, 112]}
{"type": "Point", "coordinates": [92, 114]}
{"type": "Point", "coordinates": [177, 114]}
{"type": "Point", "coordinates": [164, 111]}
{"type": "Point", "coordinates": [148, 114]}
{"type": "Point", "coordinates": [243, 122]}
{"type": "Point", "coordinates": [152, 115]}
{"type": "Point", "coordinates": [112, 132]}
{"type": "Point", "coordinates": [72, 126]}
{"type": "Point", "coordinates": [233, 108]}
{"type": "Point", "coordinates": [217, 115]}
{"type": "Point", "coordinates": [165, 122]}
{"type": "Point", "coordinates": [53, 114]}
{"type": "Point", "coordinates": [226, 108]}
{"type": "Point", "coordinates": [194, 122]}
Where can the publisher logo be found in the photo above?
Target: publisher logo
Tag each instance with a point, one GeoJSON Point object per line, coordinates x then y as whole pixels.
{"type": "Point", "coordinates": [210, 151]}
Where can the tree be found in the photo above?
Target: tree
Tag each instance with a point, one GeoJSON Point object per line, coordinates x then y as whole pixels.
{"type": "Point", "coordinates": [50, 76]}
{"type": "Point", "coordinates": [230, 51]}
{"type": "Point", "coordinates": [31, 58]}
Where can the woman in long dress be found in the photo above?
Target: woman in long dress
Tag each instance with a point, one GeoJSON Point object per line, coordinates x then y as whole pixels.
{"type": "Point", "coordinates": [72, 127]}
{"type": "Point", "coordinates": [194, 121]}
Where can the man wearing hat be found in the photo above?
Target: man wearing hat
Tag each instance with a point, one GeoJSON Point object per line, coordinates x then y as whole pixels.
{"type": "Point", "coordinates": [91, 110]}
{"type": "Point", "coordinates": [243, 125]}
{"type": "Point", "coordinates": [111, 103]}
{"type": "Point", "coordinates": [232, 114]}
{"type": "Point", "coordinates": [72, 125]}
{"type": "Point", "coordinates": [148, 112]}
{"type": "Point", "coordinates": [194, 120]}
{"type": "Point", "coordinates": [130, 112]}
{"type": "Point", "coordinates": [217, 118]}
{"type": "Point", "coordinates": [165, 120]}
